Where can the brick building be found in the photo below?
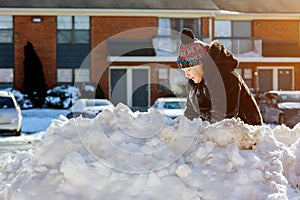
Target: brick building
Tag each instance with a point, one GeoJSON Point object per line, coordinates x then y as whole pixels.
{"type": "Point", "coordinates": [129, 50]}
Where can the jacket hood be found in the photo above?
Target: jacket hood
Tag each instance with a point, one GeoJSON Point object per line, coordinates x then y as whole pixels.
{"type": "Point", "coordinates": [224, 60]}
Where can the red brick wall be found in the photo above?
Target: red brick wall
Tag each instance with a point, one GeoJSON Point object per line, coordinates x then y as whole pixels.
{"type": "Point", "coordinates": [205, 26]}
{"type": "Point", "coordinates": [43, 38]}
{"type": "Point", "coordinates": [103, 28]}
{"type": "Point", "coordinates": [276, 29]}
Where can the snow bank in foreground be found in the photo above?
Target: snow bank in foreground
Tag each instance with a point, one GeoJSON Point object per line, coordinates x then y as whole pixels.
{"type": "Point", "coordinates": [125, 155]}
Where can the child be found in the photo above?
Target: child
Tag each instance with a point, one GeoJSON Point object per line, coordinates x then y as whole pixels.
{"type": "Point", "coordinates": [216, 91]}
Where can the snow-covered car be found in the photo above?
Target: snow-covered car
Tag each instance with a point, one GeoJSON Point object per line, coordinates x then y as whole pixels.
{"type": "Point", "coordinates": [10, 115]}
{"type": "Point", "coordinates": [281, 107]}
{"type": "Point", "coordinates": [88, 108]}
{"type": "Point", "coordinates": [170, 106]}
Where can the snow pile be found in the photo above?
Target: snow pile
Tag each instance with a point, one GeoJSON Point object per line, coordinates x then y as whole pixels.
{"type": "Point", "coordinates": [125, 155]}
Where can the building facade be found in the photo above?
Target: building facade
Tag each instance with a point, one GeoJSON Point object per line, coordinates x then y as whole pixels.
{"type": "Point", "coordinates": [132, 55]}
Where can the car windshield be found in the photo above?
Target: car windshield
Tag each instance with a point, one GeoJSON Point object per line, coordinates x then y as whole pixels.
{"type": "Point", "coordinates": [289, 98]}
{"type": "Point", "coordinates": [6, 102]}
{"type": "Point", "coordinates": [174, 105]}
{"type": "Point", "coordinates": [96, 103]}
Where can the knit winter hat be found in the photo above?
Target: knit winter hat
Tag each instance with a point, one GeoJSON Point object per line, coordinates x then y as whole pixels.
{"type": "Point", "coordinates": [191, 50]}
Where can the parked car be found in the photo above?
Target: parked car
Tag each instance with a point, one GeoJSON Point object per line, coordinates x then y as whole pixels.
{"type": "Point", "coordinates": [10, 115]}
{"type": "Point", "coordinates": [281, 107]}
{"type": "Point", "coordinates": [170, 106]}
{"type": "Point", "coordinates": [88, 108]}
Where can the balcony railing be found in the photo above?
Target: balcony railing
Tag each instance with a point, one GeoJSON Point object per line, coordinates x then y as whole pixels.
{"type": "Point", "coordinates": [240, 46]}
{"type": "Point", "coordinates": [243, 46]}
{"type": "Point", "coordinates": [166, 45]}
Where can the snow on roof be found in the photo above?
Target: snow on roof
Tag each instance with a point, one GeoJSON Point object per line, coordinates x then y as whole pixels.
{"type": "Point", "coordinates": [258, 6]}
{"type": "Point", "coordinates": [121, 155]}
{"type": "Point", "coordinates": [112, 4]}
{"type": "Point", "coordinates": [242, 6]}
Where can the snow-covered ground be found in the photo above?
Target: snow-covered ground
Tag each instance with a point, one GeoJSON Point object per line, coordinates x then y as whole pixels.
{"type": "Point", "coordinates": [34, 125]}
{"type": "Point", "coordinates": [37, 120]}
{"type": "Point", "coordinates": [125, 155]}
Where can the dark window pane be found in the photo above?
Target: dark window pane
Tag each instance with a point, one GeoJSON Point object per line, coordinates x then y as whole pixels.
{"type": "Point", "coordinates": [6, 55]}
{"type": "Point", "coordinates": [72, 55]}
{"type": "Point", "coordinates": [82, 37]}
{"type": "Point", "coordinates": [241, 29]}
{"type": "Point", "coordinates": [64, 37]}
{"type": "Point", "coordinates": [192, 23]}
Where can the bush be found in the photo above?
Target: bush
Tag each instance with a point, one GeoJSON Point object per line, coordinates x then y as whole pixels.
{"type": "Point", "coordinates": [65, 95]}
{"type": "Point", "coordinates": [22, 99]}
{"type": "Point", "coordinates": [62, 96]}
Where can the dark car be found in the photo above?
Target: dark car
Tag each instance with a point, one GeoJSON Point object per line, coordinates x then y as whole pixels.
{"type": "Point", "coordinates": [281, 107]}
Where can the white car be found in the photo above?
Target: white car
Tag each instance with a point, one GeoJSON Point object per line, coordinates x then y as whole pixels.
{"type": "Point", "coordinates": [88, 108]}
{"type": "Point", "coordinates": [170, 106]}
{"type": "Point", "coordinates": [10, 115]}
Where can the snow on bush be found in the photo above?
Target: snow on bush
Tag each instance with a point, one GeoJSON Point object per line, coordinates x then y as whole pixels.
{"type": "Point", "coordinates": [65, 95]}
{"type": "Point", "coordinates": [22, 99]}
{"type": "Point", "coordinates": [58, 97]}
{"type": "Point", "coordinates": [125, 155]}
{"type": "Point", "coordinates": [62, 96]}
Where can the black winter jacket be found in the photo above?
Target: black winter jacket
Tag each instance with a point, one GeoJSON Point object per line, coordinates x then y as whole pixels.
{"type": "Point", "coordinates": [222, 92]}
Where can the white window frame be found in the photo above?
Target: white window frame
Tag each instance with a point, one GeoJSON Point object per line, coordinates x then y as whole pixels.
{"type": "Point", "coordinates": [77, 75]}
{"type": "Point", "coordinates": [7, 24]}
{"type": "Point", "coordinates": [129, 81]}
{"type": "Point", "coordinates": [275, 75]}
{"type": "Point", "coordinates": [73, 24]}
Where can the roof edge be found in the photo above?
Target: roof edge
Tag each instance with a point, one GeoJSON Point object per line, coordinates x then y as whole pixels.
{"type": "Point", "coordinates": [224, 14]}
{"type": "Point", "coordinates": [218, 14]}
{"type": "Point", "coordinates": [108, 12]}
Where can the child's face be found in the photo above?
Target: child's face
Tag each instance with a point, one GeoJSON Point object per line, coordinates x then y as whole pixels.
{"type": "Point", "coordinates": [195, 73]}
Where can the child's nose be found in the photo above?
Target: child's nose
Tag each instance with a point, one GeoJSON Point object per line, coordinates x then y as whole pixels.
{"type": "Point", "coordinates": [186, 74]}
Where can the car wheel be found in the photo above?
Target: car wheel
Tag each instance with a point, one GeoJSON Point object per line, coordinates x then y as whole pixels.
{"type": "Point", "coordinates": [69, 115]}
{"type": "Point", "coordinates": [281, 119]}
{"type": "Point", "coordinates": [18, 133]}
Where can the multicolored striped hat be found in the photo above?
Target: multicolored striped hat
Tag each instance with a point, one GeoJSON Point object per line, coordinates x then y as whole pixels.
{"type": "Point", "coordinates": [191, 50]}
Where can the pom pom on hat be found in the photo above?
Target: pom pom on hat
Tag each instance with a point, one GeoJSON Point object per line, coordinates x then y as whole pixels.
{"type": "Point", "coordinates": [187, 36]}
{"type": "Point", "coordinates": [191, 50]}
